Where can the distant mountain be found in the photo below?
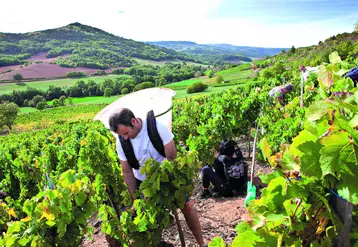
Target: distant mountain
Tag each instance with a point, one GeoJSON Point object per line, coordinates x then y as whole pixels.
{"type": "Point", "coordinates": [87, 46]}
{"type": "Point", "coordinates": [192, 48]}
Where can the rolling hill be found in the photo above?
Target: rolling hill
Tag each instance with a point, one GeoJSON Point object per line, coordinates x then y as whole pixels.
{"type": "Point", "coordinates": [82, 46]}
{"type": "Point", "coordinates": [217, 52]}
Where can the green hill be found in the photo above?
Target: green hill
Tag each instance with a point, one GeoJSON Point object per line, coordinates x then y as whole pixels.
{"type": "Point", "coordinates": [86, 46]}
{"type": "Point", "coordinates": [218, 53]}
{"type": "Point", "coordinates": [346, 44]}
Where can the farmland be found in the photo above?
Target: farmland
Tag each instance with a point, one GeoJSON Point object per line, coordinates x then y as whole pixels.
{"type": "Point", "coordinates": [61, 181]}
{"type": "Point", "coordinates": [6, 88]}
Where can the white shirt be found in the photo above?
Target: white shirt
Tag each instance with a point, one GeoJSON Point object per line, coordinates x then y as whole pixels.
{"type": "Point", "coordinates": [143, 148]}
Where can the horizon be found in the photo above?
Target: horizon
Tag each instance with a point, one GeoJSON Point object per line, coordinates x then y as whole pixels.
{"type": "Point", "coordinates": [269, 24]}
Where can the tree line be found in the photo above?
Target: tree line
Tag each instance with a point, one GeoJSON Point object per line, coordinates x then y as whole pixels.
{"type": "Point", "coordinates": [131, 79]}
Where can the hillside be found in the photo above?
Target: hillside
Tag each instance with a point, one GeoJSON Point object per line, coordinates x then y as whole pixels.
{"type": "Point", "coordinates": [81, 46]}
{"type": "Point", "coordinates": [346, 44]}
{"type": "Point", "coordinates": [215, 53]}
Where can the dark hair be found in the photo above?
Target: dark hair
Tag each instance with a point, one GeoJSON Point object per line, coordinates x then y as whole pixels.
{"type": "Point", "coordinates": [227, 147]}
{"type": "Point", "coordinates": [288, 87]}
{"type": "Point", "coordinates": [124, 117]}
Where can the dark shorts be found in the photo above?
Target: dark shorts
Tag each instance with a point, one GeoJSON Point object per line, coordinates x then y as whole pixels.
{"type": "Point", "coordinates": [187, 199]}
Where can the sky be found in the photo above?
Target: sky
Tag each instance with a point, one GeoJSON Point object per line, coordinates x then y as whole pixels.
{"type": "Point", "coordinates": [261, 23]}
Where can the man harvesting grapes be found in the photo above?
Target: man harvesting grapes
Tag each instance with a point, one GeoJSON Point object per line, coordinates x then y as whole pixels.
{"type": "Point", "coordinates": [135, 145]}
{"type": "Point", "coordinates": [280, 91]}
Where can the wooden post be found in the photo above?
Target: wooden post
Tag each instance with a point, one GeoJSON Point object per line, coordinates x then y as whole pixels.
{"type": "Point", "coordinates": [180, 230]}
{"type": "Point", "coordinates": [249, 134]}
{"type": "Point", "coordinates": [301, 98]}
{"type": "Point", "coordinates": [254, 154]}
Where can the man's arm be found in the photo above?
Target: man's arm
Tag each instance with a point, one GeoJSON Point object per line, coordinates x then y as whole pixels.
{"type": "Point", "coordinates": [129, 178]}
{"type": "Point", "coordinates": [170, 151]}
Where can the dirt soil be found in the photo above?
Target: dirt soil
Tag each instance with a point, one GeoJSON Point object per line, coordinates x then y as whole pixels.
{"type": "Point", "coordinates": [218, 216]}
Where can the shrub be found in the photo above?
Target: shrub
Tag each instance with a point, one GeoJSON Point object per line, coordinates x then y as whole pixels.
{"type": "Point", "coordinates": [55, 103]}
{"type": "Point", "coordinates": [100, 72]}
{"type": "Point", "coordinates": [18, 77]}
{"type": "Point", "coordinates": [108, 92]}
{"type": "Point", "coordinates": [37, 99]}
{"type": "Point", "coordinates": [41, 105]}
{"type": "Point", "coordinates": [125, 90]}
{"type": "Point", "coordinates": [144, 85]}
{"type": "Point", "coordinates": [75, 74]}
{"type": "Point", "coordinates": [62, 100]}
{"type": "Point", "coordinates": [219, 79]}
{"type": "Point", "coordinates": [197, 74]}
{"type": "Point", "coordinates": [196, 87]}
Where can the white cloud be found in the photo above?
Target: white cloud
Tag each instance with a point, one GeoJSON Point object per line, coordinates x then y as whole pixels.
{"type": "Point", "coordinates": [145, 20]}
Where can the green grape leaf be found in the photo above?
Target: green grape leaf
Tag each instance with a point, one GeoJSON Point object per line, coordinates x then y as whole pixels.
{"type": "Point", "coordinates": [242, 227]}
{"type": "Point", "coordinates": [266, 178]}
{"type": "Point", "coordinates": [24, 241]}
{"type": "Point", "coordinates": [274, 220]}
{"type": "Point", "coordinates": [217, 242]}
{"type": "Point", "coordinates": [347, 187]}
{"type": "Point", "coordinates": [317, 110]}
{"type": "Point", "coordinates": [288, 162]}
{"type": "Point", "coordinates": [334, 58]}
{"type": "Point", "coordinates": [80, 217]}
{"type": "Point", "coordinates": [331, 152]}
{"type": "Point", "coordinates": [302, 137]}
{"type": "Point", "coordinates": [310, 165]}
{"type": "Point", "coordinates": [266, 149]}
{"type": "Point", "coordinates": [247, 239]}
{"type": "Point", "coordinates": [80, 198]}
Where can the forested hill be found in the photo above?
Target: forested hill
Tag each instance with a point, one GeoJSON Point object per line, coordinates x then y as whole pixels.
{"type": "Point", "coordinates": [346, 44]}
{"type": "Point", "coordinates": [88, 46]}
{"type": "Point", "coordinates": [225, 51]}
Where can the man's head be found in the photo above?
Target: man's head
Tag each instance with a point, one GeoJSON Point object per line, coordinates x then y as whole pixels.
{"type": "Point", "coordinates": [287, 88]}
{"type": "Point", "coordinates": [124, 123]}
{"type": "Point", "coordinates": [302, 68]}
{"type": "Point", "coordinates": [227, 147]}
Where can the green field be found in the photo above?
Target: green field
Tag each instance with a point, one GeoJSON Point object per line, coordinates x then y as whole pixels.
{"type": "Point", "coordinates": [94, 100]}
{"type": "Point", "coordinates": [27, 109]}
{"type": "Point", "coordinates": [6, 88]}
{"type": "Point", "coordinates": [235, 73]}
{"type": "Point", "coordinates": [184, 83]}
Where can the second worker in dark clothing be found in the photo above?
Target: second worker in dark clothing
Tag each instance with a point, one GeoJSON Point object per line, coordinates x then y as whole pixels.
{"type": "Point", "coordinates": [229, 172]}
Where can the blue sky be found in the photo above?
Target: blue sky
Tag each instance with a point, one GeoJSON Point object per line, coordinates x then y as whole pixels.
{"type": "Point", "coordinates": [264, 23]}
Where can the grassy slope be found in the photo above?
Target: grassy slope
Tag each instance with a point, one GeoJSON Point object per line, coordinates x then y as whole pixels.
{"type": "Point", "coordinates": [6, 88]}
{"type": "Point", "coordinates": [236, 73]}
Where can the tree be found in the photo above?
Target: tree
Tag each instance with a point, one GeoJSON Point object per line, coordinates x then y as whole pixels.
{"type": "Point", "coordinates": [62, 100]}
{"type": "Point", "coordinates": [209, 73]}
{"type": "Point", "coordinates": [70, 101]}
{"type": "Point", "coordinates": [219, 79]}
{"type": "Point", "coordinates": [124, 90]}
{"type": "Point", "coordinates": [197, 74]}
{"type": "Point", "coordinates": [18, 77]}
{"type": "Point", "coordinates": [108, 92]}
{"type": "Point", "coordinates": [26, 103]}
{"type": "Point", "coordinates": [292, 50]}
{"type": "Point", "coordinates": [55, 103]}
{"type": "Point", "coordinates": [356, 27]}
{"type": "Point", "coordinates": [41, 105]}
{"type": "Point", "coordinates": [8, 114]}
{"type": "Point", "coordinates": [37, 99]}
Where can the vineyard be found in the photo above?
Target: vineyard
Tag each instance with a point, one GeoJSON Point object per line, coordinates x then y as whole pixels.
{"type": "Point", "coordinates": [55, 179]}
